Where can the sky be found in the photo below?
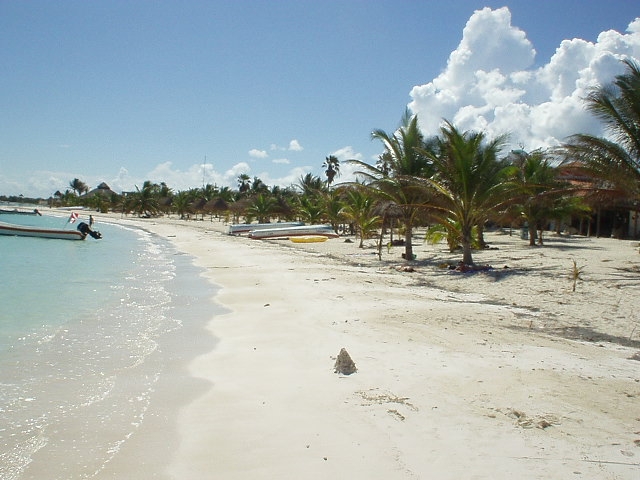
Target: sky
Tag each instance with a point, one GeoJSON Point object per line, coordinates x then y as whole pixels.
{"type": "Point", "coordinates": [198, 92]}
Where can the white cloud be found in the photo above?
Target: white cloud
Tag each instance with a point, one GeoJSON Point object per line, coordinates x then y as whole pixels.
{"type": "Point", "coordinates": [490, 84]}
{"type": "Point", "coordinates": [177, 179]}
{"type": "Point", "coordinates": [238, 169]}
{"type": "Point", "coordinates": [295, 146]}
{"type": "Point", "coordinates": [292, 177]}
{"type": "Point", "coordinates": [255, 153]}
{"type": "Point", "coordinates": [346, 153]}
{"type": "Point", "coordinates": [281, 161]}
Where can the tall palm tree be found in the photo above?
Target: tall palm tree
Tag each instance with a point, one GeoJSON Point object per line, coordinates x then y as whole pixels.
{"type": "Point", "coordinates": [332, 168]}
{"type": "Point", "coordinates": [615, 160]}
{"type": "Point", "coordinates": [244, 183]}
{"type": "Point", "coordinates": [394, 178]}
{"type": "Point", "coordinates": [467, 180]}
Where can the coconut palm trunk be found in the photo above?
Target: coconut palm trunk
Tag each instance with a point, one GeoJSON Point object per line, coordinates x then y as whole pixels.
{"type": "Point", "coordinates": [467, 241]}
{"type": "Point", "coordinates": [408, 239]}
{"type": "Point", "coordinates": [533, 233]}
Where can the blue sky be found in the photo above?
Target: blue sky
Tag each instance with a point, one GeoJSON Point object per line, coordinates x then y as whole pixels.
{"type": "Point", "coordinates": [125, 91]}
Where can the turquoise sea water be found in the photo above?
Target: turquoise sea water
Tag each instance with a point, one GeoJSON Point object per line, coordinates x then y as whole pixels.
{"type": "Point", "coordinates": [82, 326]}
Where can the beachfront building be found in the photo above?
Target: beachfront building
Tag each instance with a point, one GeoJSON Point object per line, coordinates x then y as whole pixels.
{"type": "Point", "coordinates": [612, 214]}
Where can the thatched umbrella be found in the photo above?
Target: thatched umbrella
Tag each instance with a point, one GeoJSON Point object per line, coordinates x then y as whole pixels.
{"type": "Point", "coordinates": [217, 205]}
{"type": "Point", "coordinates": [388, 211]}
{"type": "Point", "coordinates": [239, 208]}
{"type": "Point", "coordinates": [198, 206]}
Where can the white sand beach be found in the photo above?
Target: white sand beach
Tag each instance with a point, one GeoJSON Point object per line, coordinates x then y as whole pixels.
{"type": "Point", "coordinates": [492, 375]}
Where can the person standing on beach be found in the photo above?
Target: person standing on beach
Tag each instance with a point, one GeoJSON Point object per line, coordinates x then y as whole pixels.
{"type": "Point", "coordinates": [91, 220]}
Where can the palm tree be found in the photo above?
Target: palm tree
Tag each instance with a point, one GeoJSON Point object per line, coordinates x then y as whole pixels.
{"type": "Point", "coordinates": [258, 186]}
{"type": "Point", "coordinates": [244, 184]}
{"type": "Point", "coordinates": [358, 209]}
{"type": "Point", "coordinates": [181, 204]}
{"type": "Point", "coordinates": [310, 209]}
{"type": "Point", "coordinates": [332, 168]}
{"type": "Point", "coordinates": [226, 194]}
{"type": "Point", "coordinates": [614, 161]}
{"type": "Point", "coordinates": [209, 192]}
{"type": "Point", "coordinates": [165, 197]}
{"type": "Point", "coordinates": [534, 183]}
{"type": "Point", "coordinates": [333, 203]}
{"type": "Point", "coordinates": [285, 198]}
{"type": "Point", "coordinates": [394, 178]}
{"type": "Point", "coordinates": [262, 207]}
{"type": "Point", "coordinates": [78, 186]}
{"type": "Point", "coordinates": [310, 185]}
{"type": "Point", "coordinates": [164, 190]}
{"type": "Point", "coordinates": [467, 180]}
{"type": "Point", "coordinates": [145, 201]}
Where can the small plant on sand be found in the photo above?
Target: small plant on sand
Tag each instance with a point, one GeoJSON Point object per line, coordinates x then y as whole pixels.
{"type": "Point", "coordinates": [575, 273]}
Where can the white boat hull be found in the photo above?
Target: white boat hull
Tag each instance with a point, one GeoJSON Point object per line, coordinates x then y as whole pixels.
{"type": "Point", "coordinates": [240, 228]}
{"type": "Point", "coordinates": [288, 232]}
{"type": "Point", "coordinates": [24, 231]}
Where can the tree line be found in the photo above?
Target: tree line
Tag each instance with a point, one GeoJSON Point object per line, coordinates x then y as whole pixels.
{"type": "Point", "coordinates": [455, 182]}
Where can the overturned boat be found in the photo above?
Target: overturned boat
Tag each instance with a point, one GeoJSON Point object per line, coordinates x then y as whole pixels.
{"type": "Point", "coordinates": [46, 232]}
{"type": "Point", "coordinates": [295, 231]}
{"type": "Point", "coordinates": [240, 228]}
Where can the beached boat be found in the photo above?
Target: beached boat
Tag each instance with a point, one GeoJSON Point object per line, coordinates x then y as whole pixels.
{"type": "Point", "coordinates": [43, 232]}
{"type": "Point", "coordinates": [309, 239]}
{"type": "Point", "coordinates": [19, 212]}
{"type": "Point", "coordinates": [299, 231]}
{"type": "Point", "coordinates": [240, 228]}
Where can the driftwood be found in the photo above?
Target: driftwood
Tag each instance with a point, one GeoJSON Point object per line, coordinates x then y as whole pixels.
{"type": "Point", "coordinates": [344, 364]}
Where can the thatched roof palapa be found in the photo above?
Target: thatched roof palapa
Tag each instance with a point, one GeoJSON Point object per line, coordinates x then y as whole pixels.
{"type": "Point", "coordinates": [103, 190]}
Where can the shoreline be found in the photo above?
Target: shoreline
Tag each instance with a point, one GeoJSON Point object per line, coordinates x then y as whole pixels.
{"type": "Point", "coordinates": [486, 375]}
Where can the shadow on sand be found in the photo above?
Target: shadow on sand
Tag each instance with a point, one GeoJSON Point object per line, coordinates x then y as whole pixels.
{"type": "Point", "coordinates": [585, 334]}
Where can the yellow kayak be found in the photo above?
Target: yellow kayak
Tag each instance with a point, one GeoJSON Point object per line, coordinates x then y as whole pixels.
{"type": "Point", "coordinates": [308, 239]}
